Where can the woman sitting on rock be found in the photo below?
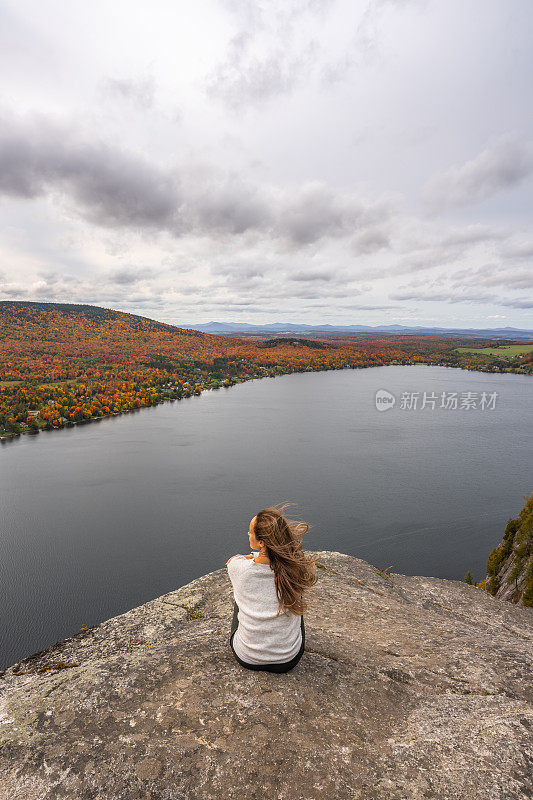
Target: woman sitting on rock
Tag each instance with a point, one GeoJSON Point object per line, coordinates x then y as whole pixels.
{"type": "Point", "coordinates": [267, 631]}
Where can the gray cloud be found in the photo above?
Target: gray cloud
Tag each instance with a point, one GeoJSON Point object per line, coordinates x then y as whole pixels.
{"type": "Point", "coordinates": [228, 303]}
{"type": "Point", "coordinates": [116, 189]}
{"type": "Point", "coordinates": [421, 260]}
{"type": "Point", "coordinates": [453, 297]}
{"type": "Point", "coordinates": [518, 303]}
{"type": "Point", "coordinates": [239, 271]}
{"type": "Point", "coordinates": [140, 91]}
{"type": "Point", "coordinates": [127, 277]}
{"type": "Point", "coordinates": [370, 241]}
{"type": "Point", "coordinates": [222, 204]}
{"type": "Point", "coordinates": [48, 285]}
{"type": "Point", "coordinates": [113, 188]}
{"type": "Point", "coordinates": [517, 250]}
{"type": "Point", "coordinates": [244, 79]}
{"type": "Point", "coordinates": [318, 212]}
{"type": "Point", "coordinates": [319, 293]}
{"type": "Point", "coordinates": [132, 302]}
{"type": "Point", "coordinates": [361, 307]}
{"type": "Point", "coordinates": [504, 163]}
{"type": "Point", "coordinates": [478, 297]}
{"type": "Point", "coordinates": [444, 249]}
{"type": "Point", "coordinates": [312, 276]}
{"type": "Point", "coordinates": [493, 275]}
{"type": "Point", "coordinates": [265, 58]}
{"type": "Point", "coordinates": [16, 292]}
{"type": "Point", "coordinates": [470, 285]}
{"type": "Point", "coordinates": [364, 47]}
{"type": "Point", "coordinates": [179, 264]}
{"type": "Point", "coordinates": [472, 234]}
{"type": "Point", "coordinates": [295, 195]}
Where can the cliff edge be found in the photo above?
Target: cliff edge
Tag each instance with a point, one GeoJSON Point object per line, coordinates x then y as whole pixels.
{"type": "Point", "coordinates": [510, 564]}
{"type": "Point", "coordinates": [410, 687]}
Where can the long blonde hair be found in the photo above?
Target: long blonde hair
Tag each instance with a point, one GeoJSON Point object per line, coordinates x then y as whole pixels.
{"type": "Point", "coordinates": [294, 572]}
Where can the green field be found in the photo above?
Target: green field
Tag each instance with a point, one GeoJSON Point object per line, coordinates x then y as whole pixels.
{"type": "Point", "coordinates": [507, 350]}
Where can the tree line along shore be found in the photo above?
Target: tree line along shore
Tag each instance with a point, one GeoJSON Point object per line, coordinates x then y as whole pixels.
{"type": "Point", "coordinates": [64, 365]}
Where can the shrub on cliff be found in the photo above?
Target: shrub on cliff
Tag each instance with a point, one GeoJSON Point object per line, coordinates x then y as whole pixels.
{"type": "Point", "coordinates": [518, 544]}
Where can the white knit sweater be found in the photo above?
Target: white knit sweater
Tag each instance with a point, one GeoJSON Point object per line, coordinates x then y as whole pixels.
{"type": "Point", "coordinates": [262, 637]}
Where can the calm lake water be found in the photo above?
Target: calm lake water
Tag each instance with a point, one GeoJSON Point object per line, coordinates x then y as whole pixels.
{"type": "Point", "coordinates": [100, 518]}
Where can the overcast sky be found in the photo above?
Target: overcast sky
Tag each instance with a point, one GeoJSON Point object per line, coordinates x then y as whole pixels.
{"type": "Point", "coordinates": [301, 160]}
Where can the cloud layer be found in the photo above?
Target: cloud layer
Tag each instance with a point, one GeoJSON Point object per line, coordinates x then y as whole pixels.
{"type": "Point", "coordinates": [502, 165]}
{"type": "Point", "coordinates": [302, 161]}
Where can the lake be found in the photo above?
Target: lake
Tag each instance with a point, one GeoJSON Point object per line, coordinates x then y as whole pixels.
{"type": "Point", "coordinates": [100, 518]}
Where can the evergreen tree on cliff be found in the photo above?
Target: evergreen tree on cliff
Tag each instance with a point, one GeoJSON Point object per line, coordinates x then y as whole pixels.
{"type": "Point", "coordinates": [510, 564]}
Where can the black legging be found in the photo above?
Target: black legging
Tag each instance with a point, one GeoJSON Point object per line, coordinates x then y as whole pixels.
{"type": "Point", "coordinates": [284, 666]}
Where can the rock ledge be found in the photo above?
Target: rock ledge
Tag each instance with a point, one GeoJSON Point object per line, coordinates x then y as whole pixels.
{"type": "Point", "coordinates": [410, 687]}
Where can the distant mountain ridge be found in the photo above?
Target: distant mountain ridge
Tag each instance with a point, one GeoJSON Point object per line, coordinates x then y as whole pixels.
{"type": "Point", "coordinates": [97, 314]}
{"type": "Point", "coordinates": [290, 327]}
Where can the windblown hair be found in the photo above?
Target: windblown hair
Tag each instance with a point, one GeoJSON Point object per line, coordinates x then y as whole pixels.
{"type": "Point", "coordinates": [294, 572]}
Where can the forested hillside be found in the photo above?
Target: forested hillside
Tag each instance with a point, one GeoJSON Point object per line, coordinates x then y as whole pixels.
{"type": "Point", "coordinates": [64, 364]}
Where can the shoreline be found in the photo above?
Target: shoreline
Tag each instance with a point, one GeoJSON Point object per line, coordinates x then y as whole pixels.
{"type": "Point", "coordinates": [71, 424]}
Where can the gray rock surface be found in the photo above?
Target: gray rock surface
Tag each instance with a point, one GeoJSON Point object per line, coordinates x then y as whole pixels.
{"type": "Point", "coordinates": [509, 588]}
{"type": "Point", "coordinates": [410, 687]}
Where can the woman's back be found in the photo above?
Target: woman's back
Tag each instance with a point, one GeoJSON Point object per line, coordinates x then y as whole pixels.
{"type": "Point", "coordinates": [263, 636]}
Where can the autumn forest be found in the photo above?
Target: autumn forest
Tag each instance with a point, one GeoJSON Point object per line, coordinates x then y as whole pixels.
{"type": "Point", "coordinates": [62, 365]}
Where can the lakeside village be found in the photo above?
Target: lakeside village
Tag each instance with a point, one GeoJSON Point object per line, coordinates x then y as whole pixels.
{"type": "Point", "coordinates": [68, 404]}
{"type": "Point", "coordinates": [64, 404]}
